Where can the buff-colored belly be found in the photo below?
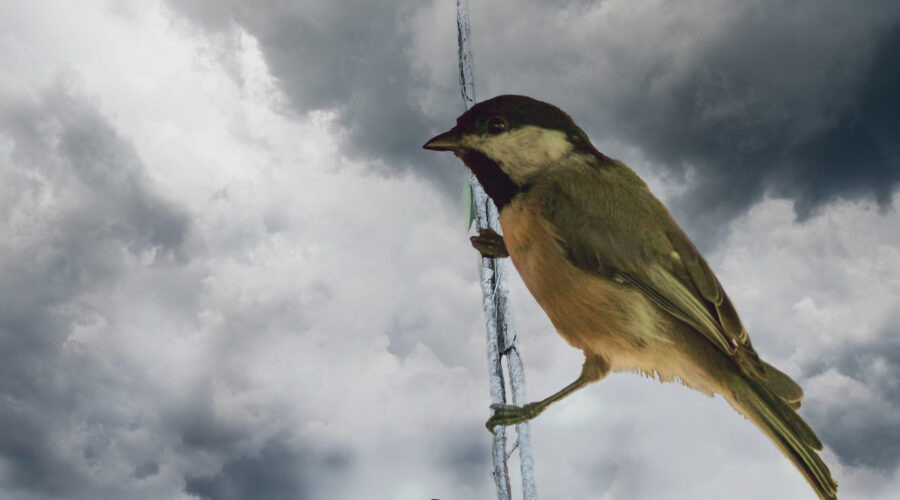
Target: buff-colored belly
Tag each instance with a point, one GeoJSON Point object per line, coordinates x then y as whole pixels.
{"type": "Point", "coordinates": [598, 316]}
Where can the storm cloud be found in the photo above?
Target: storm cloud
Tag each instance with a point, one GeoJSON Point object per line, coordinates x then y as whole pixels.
{"type": "Point", "coordinates": [277, 472]}
{"type": "Point", "coordinates": [77, 212]}
{"type": "Point", "coordinates": [790, 98]}
{"type": "Point", "coordinates": [96, 266]}
{"type": "Point", "coordinates": [228, 270]}
{"type": "Point", "coordinates": [348, 57]}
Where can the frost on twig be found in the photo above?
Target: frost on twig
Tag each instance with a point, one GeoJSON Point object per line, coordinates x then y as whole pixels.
{"type": "Point", "coordinates": [501, 335]}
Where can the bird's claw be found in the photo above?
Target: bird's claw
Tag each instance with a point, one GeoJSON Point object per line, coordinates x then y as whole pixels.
{"type": "Point", "coordinates": [490, 244]}
{"type": "Point", "coordinates": [512, 414]}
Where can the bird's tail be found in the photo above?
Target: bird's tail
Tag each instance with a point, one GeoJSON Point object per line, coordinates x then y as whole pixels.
{"type": "Point", "coordinates": [793, 436]}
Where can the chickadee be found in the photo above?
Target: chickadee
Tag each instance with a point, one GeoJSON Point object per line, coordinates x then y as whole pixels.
{"type": "Point", "coordinates": [616, 275]}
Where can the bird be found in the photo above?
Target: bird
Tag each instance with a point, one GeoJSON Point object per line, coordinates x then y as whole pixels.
{"type": "Point", "coordinates": [616, 275]}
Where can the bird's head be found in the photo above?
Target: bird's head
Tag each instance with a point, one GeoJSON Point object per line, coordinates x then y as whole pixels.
{"type": "Point", "coordinates": [519, 135]}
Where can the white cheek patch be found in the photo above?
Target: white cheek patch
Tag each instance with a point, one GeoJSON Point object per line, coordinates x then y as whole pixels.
{"type": "Point", "coordinates": [525, 150]}
{"type": "Point", "coordinates": [554, 143]}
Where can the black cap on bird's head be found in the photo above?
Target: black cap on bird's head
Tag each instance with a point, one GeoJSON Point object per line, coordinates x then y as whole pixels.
{"type": "Point", "coordinates": [511, 140]}
{"type": "Point", "coordinates": [507, 113]}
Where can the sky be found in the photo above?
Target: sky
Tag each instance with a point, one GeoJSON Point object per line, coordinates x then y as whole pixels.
{"type": "Point", "coordinates": [229, 271]}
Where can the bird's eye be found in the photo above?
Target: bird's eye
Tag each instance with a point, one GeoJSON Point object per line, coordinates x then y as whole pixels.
{"type": "Point", "coordinates": [496, 125]}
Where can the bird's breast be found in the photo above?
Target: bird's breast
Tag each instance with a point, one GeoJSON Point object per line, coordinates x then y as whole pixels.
{"type": "Point", "coordinates": [589, 312]}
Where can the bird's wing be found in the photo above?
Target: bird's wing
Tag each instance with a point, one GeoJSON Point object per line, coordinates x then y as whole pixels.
{"type": "Point", "coordinates": [683, 284]}
{"type": "Point", "coordinates": [651, 254]}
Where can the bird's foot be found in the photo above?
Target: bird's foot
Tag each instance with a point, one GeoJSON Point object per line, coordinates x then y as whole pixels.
{"type": "Point", "coordinates": [489, 244]}
{"type": "Point", "coordinates": [512, 414]}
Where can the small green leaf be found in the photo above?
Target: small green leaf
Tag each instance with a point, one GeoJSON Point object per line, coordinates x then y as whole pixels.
{"type": "Point", "coordinates": [468, 204]}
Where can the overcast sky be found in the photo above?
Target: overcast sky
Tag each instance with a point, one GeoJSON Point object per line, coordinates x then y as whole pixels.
{"type": "Point", "coordinates": [228, 270]}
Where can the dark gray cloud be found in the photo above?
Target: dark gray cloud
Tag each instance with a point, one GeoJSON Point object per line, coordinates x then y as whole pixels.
{"type": "Point", "coordinates": [789, 97]}
{"type": "Point", "coordinates": [194, 421]}
{"type": "Point", "coordinates": [277, 472]}
{"type": "Point", "coordinates": [461, 454]}
{"type": "Point", "coordinates": [345, 56]}
{"type": "Point", "coordinates": [76, 206]}
{"type": "Point", "coordinates": [863, 429]}
{"type": "Point", "coordinates": [860, 153]}
{"type": "Point", "coordinates": [746, 122]}
{"type": "Point", "coordinates": [89, 249]}
{"type": "Point", "coordinates": [146, 469]}
{"type": "Point", "coordinates": [26, 446]}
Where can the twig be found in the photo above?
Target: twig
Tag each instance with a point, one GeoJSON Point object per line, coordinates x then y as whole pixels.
{"type": "Point", "coordinates": [500, 330]}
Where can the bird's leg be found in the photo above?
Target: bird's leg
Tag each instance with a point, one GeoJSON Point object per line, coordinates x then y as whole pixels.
{"type": "Point", "coordinates": [489, 244]}
{"type": "Point", "coordinates": [594, 369]}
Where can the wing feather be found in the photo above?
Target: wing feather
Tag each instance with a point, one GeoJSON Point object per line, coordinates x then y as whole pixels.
{"type": "Point", "coordinates": [649, 252]}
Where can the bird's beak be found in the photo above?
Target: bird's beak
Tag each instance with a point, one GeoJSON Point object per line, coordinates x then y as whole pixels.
{"type": "Point", "coordinates": [448, 141]}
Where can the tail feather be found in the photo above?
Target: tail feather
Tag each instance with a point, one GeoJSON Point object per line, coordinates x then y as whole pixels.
{"type": "Point", "coordinates": [784, 410]}
{"type": "Point", "coordinates": [783, 386]}
{"type": "Point", "coordinates": [775, 417]}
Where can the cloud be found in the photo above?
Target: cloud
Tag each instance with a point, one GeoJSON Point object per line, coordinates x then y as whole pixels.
{"type": "Point", "coordinates": [789, 98]}
{"type": "Point", "coordinates": [862, 423]}
{"type": "Point", "coordinates": [77, 209]}
{"type": "Point", "coordinates": [859, 152]}
{"type": "Point", "coordinates": [205, 285]}
{"type": "Point", "coordinates": [820, 296]}
{"type": "Point", "coordinates": [102, 279]}
{"type": "Point", "coordinates": [146, 469]}
{"type": "Point", "coordinates": [277, 472]}
{"type": "Point", "coordinates": [146, 349]}
{"type": "Point", "coordinates": [350, 58]}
